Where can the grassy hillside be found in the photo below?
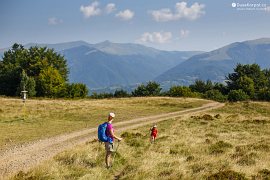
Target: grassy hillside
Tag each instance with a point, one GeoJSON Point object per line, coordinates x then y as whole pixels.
{"type": "Point", "coordinates": [45, 118]}
{"type": "Point", "coordinates": [230, 142]}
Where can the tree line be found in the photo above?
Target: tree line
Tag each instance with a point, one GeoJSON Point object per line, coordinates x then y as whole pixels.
{"type": "Point", "coordinates": [40, 71]}
{"type": "Point", "coordinates": [247, 82]}
{"type": "Point", "coordinates": [44, 73]}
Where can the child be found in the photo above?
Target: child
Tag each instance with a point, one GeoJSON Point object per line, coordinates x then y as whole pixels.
{"type": "Point", "coordinates": [154, 132]}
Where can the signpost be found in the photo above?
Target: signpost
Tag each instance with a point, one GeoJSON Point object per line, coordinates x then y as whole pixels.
{"type": "Point", "coordinates": [24, 97]}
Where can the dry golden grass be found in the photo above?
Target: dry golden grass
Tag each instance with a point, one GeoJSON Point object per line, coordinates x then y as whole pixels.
{"type": "Point", "coordinates": [46, 118]}
{"type": "Point", "coordinates": [233, 144]}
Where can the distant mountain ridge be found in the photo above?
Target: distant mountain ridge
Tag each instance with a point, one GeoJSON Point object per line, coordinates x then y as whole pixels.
{"type": "Point", "coordinates": [113, 64]}
{"type": "Point", "coordinates": [110, 65]}
{"type": "Point", "coordinates": [215, 65]}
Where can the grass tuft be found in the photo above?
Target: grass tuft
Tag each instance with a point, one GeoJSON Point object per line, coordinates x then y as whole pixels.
{"type": "Point", "coordinates": [263, 174]}
{"type": "Point", "coordinates": [229, 174]}
{"type": "Point", "coordinates": [219, 147]}
{"type": "Point", "coordinates": [206, 117]}
{"type": "Point", "coordinates": [128, 135]}
{"type": "Point", "coordinates": [196, 168]}
{"type": "Point", "coordinates": [126, 170]}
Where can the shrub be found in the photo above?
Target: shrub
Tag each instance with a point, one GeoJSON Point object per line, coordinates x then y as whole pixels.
{"type": "Point", "coordinates": [264, 94]}
{"type": "Point", "coordinates": [181, 91]}
{"type": "Point", "coordinates": [120, 93]}
{"type": "Point", "coordinates": [237, 95]}
{"type": "Point", "coordinates": [215, 95]}
{"type": "Point", "coordinates": [133, 139]}
{"type": "Point", "coordinates": [101, 95]}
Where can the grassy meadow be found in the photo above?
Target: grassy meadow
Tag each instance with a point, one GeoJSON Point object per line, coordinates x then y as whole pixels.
{"type": "Point", "coordinates": [232, 142]}
{"type": "Point", "coordinates": [45, 118]}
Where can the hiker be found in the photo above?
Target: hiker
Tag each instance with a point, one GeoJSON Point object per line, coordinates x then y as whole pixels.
{"type": "Point", "coordinates": [154, 132]}
{"type": "Point", "coordinates": [111, 137]}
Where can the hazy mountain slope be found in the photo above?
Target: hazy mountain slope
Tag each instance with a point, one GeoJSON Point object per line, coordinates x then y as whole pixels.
{"type": "Point", "coordinates": [98, 69]}
{"type": "Point", "coordinates": [215, 65]}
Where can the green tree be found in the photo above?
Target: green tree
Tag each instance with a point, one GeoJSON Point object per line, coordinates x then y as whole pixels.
{"type": "Point", "coordinates": [151, 89]}
{"type": "Point", "coordinates": [221, 88]}
{"type": "Point", "coordinates": [50, 83]}
{"type": "Point", "coordinates": [267, 75]}
{"type": "Point", "coordinates": [35, 63]}
{"type": "Point", "coordinates": [248, 77]}
{"type": "Point", "coordinates": [201, 86]}
{"type": "Point", "coordinates": [76, 90]}
{"type": "Point", "coordinates": [40, 58]}
{"type": "Point", "coordinates": [139, 91]}
{"type": "Point", "coordinates": [264, 94]}
{"type": "Point", "coordinates": [247, 85]}
{"type": "Point", "coordinates": [10, 70]}
{"type": "Point", "coordinates": [27, 83]}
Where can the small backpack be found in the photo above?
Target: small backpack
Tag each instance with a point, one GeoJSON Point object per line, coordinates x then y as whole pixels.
{"type": "Point", "coordinates": [102, 132]}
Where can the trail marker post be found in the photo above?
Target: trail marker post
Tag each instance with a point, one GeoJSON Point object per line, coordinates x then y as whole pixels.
{"type": "Point", "coordinates": [24, 97]}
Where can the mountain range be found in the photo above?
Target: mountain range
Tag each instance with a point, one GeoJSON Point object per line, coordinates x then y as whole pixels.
{"type": "Point", "coordinates": [215, 65]}
{"type": "Point", "coordinates": [108, 64]}
{"type": "Point", "coordinates": [115, 65]}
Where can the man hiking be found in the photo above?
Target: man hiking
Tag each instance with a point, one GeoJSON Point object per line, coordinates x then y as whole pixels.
{"type": "Point", "coordinates": [111, 137]}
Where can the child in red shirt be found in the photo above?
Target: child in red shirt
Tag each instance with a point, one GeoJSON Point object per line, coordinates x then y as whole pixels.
{"type": "Point", "coordinates": [154, 132]}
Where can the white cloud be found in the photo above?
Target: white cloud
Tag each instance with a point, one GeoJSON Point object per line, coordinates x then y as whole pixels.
{"type": "Point", "coordinates": [54, 21]}
{"type": "Point", "coordinates": [91, 10]}
{"type": "Point", "coordinates": [163, 15]}
{"type": "Point", "coordinates": [110, 8]}
{"type": "Point", "coordinates": [184, 33]}
{"type": "Point", "coordinates": [268, 9]}
{"type": "Point", "coordinates": [156, 37]}
{"type": "Point", "coordinates": [181, 11]}
{"type": "Point", "coordinates": [125, 15]}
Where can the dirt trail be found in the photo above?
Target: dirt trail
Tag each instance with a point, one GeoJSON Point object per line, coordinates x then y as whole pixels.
{"type": "Point", "coordinates": [28, 156]}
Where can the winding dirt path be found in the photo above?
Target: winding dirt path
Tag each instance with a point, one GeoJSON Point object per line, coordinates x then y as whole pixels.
{"type": "Point", "coordinates": [28, 156]}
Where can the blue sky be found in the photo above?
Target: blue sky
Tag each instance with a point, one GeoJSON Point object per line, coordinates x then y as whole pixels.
{"type": "Point", "coordinates": [169, 25]}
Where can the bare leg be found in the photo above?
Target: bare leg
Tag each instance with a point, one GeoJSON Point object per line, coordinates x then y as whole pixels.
{"type": "Point", "coordinates": [108, 159]}
{"type": "Point", "coordinates": [152, 139]}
